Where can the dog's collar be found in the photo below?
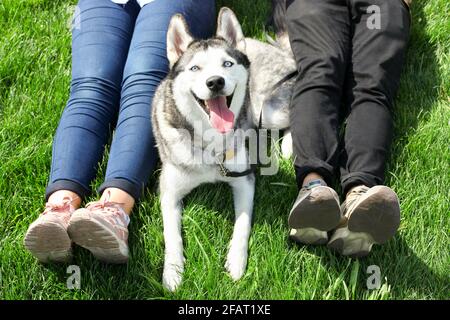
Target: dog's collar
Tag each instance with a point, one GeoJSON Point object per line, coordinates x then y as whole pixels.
{"type": "Point", "coordinates": [227, 155]}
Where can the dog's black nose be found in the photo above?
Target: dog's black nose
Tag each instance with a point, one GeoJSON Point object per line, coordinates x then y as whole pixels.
{"type": "Point", "coordinates": [215, 83]}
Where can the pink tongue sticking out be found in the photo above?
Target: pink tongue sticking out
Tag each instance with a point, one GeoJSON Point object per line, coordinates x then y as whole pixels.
{"type": "Point", "coordinates": [221, 117]}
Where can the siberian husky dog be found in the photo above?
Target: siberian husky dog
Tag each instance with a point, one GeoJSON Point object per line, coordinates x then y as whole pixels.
{"type": "Point", "coordinates": [216, 92]}
{"type": "Point", "coordinates": [200, 114]}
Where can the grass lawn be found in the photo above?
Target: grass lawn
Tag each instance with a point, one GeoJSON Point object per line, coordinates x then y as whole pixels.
{"type": "Point", "coordinates": [34, 87]}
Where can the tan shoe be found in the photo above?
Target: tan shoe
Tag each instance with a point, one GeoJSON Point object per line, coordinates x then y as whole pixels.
{"type": "Point", "coordinates": [102, 228]}
{"type": "Point", "coordinates": [315, 212]}
{"type": "Point", "coordinates": [47, 237]}
{"type": "Point", "coordinates": [371, 216]}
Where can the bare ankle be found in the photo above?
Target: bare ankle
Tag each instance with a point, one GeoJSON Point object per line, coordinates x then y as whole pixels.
{"type": "Point", "coordinates": [124, 199]}
{"type": "Point", "coordinates": [59, 196]}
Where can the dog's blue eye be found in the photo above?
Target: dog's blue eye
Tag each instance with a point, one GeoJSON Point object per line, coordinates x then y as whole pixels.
{"type": "Point", "coordinates": [195, 68]}
{"type": "Point", "coordinates": [228, 64]}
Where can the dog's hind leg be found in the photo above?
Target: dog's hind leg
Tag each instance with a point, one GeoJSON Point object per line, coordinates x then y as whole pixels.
{"type": "Point", "coordinates": [243, 192]}
{"type": "Point", "coordinates": [172, 192]}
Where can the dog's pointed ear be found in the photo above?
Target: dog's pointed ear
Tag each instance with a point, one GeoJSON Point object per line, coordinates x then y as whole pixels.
{"type": "Point", "coordinates": [178, 38]}
{"type": "Point", "coordinates": [229, 28]}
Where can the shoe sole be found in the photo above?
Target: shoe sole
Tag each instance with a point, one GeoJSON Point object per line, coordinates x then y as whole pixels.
{"type": "Point", "coordinates": [375, 220]}
{"type": "Point", "coordinates": [312, 220]}
{"type": "Point", "coordinates": [351, 244]}
{"type": "Point", "coordinates": [48, 242]}
{"type": "Point", "coordinates": [309, 236]}
{"type": "Point", "coordinates": [93, 236]}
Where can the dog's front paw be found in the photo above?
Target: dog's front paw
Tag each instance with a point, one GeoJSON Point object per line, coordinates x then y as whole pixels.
{"type": "Point", "coordinates": [236, 263]}
{"type": "Point", "coordinates": [172, 275]}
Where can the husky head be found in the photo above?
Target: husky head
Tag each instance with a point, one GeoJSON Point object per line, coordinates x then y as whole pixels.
{"type": "Point", "coordinates": [209, 76]}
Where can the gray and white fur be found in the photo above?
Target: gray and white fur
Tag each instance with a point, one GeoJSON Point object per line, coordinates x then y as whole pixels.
{"type": "Point", "coordinates": [187, 140]}
{"type": "Point", "coordinates": [182, 127]}
{"type": "Point", "coordinates": [270, 63]}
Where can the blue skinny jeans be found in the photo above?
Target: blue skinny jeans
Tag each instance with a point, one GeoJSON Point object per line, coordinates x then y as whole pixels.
{"type": "Point", "coordinates": [118, 60]}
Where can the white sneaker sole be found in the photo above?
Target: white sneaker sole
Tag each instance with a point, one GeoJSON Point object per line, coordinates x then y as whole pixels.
{"type": "Point", "coordinates": [352, 244]}
{"type": "Point", "coordinates": [309, 236]}
{"type": "Point", "coordinates": [101, 242]}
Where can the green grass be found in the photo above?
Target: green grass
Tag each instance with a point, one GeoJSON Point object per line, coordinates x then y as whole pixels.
{"type": "Point", "coordinates": [34, 86]}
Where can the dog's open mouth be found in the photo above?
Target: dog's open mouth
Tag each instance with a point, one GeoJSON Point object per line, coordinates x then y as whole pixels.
{"type": "Point", "coordinates": [205, 106]}
{"type": "Point", "coordinates": [218, 110]}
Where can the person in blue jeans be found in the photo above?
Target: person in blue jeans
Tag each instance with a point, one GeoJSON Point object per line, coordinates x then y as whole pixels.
{"type": "Point", "coordinates": [118, 60]}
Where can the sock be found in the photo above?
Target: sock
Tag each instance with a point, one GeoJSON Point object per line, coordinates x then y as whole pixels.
{"type": "Point", "coordinates": [315, 183]}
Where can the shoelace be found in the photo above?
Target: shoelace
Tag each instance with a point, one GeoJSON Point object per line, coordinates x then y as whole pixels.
{"type": "Point", "coordinates": [352, 197]}
{"type": "Point", "coordinates": [104, 204]}
{"type": "Point", "coordinates": [58, 207]}
{"type": "Point", "coordinates": [109, 207]}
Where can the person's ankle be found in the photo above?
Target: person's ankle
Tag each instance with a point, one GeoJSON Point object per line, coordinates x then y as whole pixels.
{"type": "Point", "coordinates": [313, 178]}
{"type": "Point", "coordinates": [122, 198]}
{"type": "Point", "coordinates": [60, 196]}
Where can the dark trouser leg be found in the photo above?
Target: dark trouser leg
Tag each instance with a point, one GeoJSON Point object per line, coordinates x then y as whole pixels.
{"type": "Point", "coordinates": [100, 43]}
{"type": "Point", "coordinates": [319, 32]}
{"type": "Point", "coordinates": [371, 85]}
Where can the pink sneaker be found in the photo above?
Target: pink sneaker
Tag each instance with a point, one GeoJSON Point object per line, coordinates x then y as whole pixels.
{"type": "Point", "coordinates": [101, 228]}
{"type": "Point", "coordinates": [47, 237]}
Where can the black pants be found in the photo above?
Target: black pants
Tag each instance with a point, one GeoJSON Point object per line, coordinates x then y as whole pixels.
{"type": "Point", "coordinates": [349, 57]}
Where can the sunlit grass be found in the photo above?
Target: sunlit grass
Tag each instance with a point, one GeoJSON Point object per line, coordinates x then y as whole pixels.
{"type": "Point", "coordinates": [34, 86]}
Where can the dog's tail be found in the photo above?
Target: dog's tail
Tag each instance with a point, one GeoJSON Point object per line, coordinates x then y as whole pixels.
{"type": "Point", "coordinates": [277, 22]}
